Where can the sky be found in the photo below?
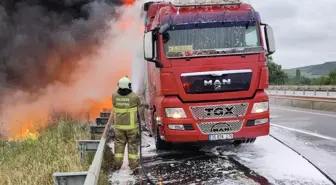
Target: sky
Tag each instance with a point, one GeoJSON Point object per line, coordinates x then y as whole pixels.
{"type": "Point", "coordinates": [304, 30]}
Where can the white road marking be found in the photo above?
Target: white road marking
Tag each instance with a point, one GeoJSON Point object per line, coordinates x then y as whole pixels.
{"type": "Point", "coordinates": [302, 111]}
{"type": "Point", "coordinates": [274, 116]}
{"type": "Point", "coordinates": [305, 132]}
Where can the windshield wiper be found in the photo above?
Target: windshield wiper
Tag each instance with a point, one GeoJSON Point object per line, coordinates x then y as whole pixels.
{"type": "Point", "coordinates": [215, 51]}
{"type": "Point", "coordinates": [242, 51]}
{"type": "Point", "coordinates": [230, 50]}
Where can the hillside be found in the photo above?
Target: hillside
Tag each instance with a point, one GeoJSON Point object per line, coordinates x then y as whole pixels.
{"type": "Point", "coordinates": [313, 71]}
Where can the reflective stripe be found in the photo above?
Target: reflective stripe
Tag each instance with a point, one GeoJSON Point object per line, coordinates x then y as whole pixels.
{"type": "Point", "coordinates": [132, 156]}
{"type": "Point", "coordinates": [126, 127]}
{"type": "Point", "coordinates": [119, 155]}
{"type": "Point", "coordinates": [132, 112]}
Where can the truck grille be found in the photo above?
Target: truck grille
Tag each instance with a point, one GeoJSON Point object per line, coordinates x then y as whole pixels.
{"type": "Point", "coordinates": [220, 127]}
{"type": "Point", "coordinates": [219, 111]}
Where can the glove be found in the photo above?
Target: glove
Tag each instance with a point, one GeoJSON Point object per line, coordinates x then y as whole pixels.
{"type": "Point", "coordinates": [112, 132]}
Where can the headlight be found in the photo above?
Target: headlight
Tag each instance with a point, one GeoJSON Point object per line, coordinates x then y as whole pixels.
{"type": "Point", "coordinates": [260, 107]}
{"type": "Point", "coordinates": [175, 113]}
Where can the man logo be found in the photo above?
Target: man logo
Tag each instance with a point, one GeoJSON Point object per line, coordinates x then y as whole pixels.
{"type": "Point", "coordinates": [217, 83]}
{"type": "Point", "coordinates": [221, 128]}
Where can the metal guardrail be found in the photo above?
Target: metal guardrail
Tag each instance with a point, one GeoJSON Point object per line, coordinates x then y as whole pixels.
{"type": "Point", "coordinates": [306, 98]}
{"type": "Point", "coordinates": [303, 87]}
{"type": "Point", "coordinates": [91, 176]}
{"type": "Point", "coordinates": [303, 92]}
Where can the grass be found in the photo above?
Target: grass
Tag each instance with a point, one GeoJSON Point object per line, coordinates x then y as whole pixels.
{"type": "Point", "coordinates": [33, 162]}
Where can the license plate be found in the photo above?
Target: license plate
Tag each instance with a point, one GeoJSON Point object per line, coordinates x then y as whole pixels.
{"type": "Point", "coordinates": [214, 137]}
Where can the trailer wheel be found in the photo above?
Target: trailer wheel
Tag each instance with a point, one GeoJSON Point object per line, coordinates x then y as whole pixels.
{"type": "Point", "coordinates": [159, 143]}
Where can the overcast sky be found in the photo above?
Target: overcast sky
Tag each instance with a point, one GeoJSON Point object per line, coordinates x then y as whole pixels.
{"type": "Point", "coordinates": [305, 31]}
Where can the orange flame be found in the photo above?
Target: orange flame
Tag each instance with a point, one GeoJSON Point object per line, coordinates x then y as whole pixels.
{"type": "Point", "coordinates": [129, 2]}
{"type": "Point", "coordinates": [24, 136]}
{"type": "Point", "coordinates": [32, 116]}
{"type": "Point", "coordinates": [98, 106]}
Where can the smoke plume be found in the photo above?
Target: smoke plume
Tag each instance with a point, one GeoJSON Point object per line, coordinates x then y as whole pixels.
{"type": "Point", "coordinates": [62, 56]}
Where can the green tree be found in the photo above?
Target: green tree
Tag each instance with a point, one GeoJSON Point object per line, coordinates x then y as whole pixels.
{"type": "Point", "coordinates": [332, 77]}
{"type": "Point", "coordinates": [277, 75]}
{"type": "Point", "coordinates": [298, 74]}
{"type": "Point", "coordinates": [329, 79]}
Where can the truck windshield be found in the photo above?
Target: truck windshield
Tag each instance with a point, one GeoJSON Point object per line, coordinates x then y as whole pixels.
{"type": "Point", "coordinates": [226, 39]}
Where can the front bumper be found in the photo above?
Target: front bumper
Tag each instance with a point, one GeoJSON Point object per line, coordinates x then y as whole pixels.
{"type": "Point", "coordinates": [193, 132]}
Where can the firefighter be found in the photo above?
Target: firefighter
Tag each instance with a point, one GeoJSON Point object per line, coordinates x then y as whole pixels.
{"type": "Point", "coordinates": [125, 109]}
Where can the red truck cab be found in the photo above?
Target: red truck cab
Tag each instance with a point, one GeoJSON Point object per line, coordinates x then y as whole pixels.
{"type": "Point", "coordinates": [207, 73]}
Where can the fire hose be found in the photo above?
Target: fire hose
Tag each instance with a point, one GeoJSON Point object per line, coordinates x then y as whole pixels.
{"type": "Point", "coordinates": [142, 169]}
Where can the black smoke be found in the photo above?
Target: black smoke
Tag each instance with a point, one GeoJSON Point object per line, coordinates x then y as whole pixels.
{"type": "Point", "coordinates": [41, 41]}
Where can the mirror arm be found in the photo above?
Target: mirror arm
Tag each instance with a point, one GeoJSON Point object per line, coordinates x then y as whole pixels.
{"type": "Point", "coordinates": [158, 64]}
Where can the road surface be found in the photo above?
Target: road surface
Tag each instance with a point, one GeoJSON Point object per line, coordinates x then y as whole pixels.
{"type": "Point", "coordinates": [312, 133]}
{"type": "Point", "coordinates": [267, 161]}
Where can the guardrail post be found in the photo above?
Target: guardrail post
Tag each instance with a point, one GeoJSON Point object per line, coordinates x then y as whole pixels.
{"type": "Point", "coordinates": [314, 92]}
{"type": "Point", "coordinates": [82, 151]}
{"type": "Point", "coordinates": [293, 91]}
{"type": "Point", "coordinates": [304, 91]}
{"type": "Point", "coordinates": [327, 92]}
{"type": "Point", "coordinates": [285, 91]}
{"type": "Point", "coordinates": [276, 91]}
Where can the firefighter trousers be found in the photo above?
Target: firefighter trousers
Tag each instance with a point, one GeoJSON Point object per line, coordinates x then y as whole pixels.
{"type": "Point", "coordinates": [131, 138]}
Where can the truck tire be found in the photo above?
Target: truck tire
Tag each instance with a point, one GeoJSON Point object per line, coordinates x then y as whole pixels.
{"type": "Point", "coordinates": [246, 140]}
{"type": "Point", "coordinates": [159, 143]}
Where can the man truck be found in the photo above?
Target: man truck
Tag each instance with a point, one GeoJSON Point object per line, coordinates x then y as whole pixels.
{"type": "Point", "coordinates": [206, 71]}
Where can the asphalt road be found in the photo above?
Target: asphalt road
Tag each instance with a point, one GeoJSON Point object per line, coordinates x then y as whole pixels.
{"type": "Point", "coordinates": [311, 133]}
{"type": "Point", "coordinates": [318, 122]}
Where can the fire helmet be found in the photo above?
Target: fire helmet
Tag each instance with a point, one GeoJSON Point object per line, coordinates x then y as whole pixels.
{"type": "Point", "coordinates": [124, 83]}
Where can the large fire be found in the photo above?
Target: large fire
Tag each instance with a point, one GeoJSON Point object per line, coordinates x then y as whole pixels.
{"type": "Point", "coordinates": [33, 116]}
{"type": "Point", "coordinates": [129, 2]}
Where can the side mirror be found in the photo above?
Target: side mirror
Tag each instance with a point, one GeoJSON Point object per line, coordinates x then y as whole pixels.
{"type": "Point", "coordinates": [148, 46]}
{"type": "Point", "coordinates": [149, 52]}
{"type": "Point", "coordinates": [270, 41]}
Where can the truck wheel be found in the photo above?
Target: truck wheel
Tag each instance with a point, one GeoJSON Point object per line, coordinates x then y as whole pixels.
{"type": "Point", "coordinates": [159, 143]}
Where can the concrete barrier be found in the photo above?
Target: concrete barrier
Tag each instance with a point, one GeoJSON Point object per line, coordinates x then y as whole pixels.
{"type": "Point", "coordinates": [318, 103]}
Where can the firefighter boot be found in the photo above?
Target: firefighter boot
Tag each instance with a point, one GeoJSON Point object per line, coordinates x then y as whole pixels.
{"type": "Point", "coordinates": [117, 163]}
{"type": "Point", "coordinates": [133, 164]}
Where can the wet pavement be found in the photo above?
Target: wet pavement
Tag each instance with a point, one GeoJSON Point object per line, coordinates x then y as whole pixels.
{"type": "Point", "coordinates": [267, 161]}
{"type": "Point", "coordinates": [196, 167]}
{"type": "Point", "coordinates": [314, 139]}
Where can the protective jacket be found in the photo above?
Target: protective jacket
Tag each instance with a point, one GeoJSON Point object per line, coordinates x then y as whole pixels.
{"type": "Point", "coordinates": [125, 109]}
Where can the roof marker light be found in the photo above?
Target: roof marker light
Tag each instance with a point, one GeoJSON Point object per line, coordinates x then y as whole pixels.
{"type": "Point", "coordinates": [204, 2]}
